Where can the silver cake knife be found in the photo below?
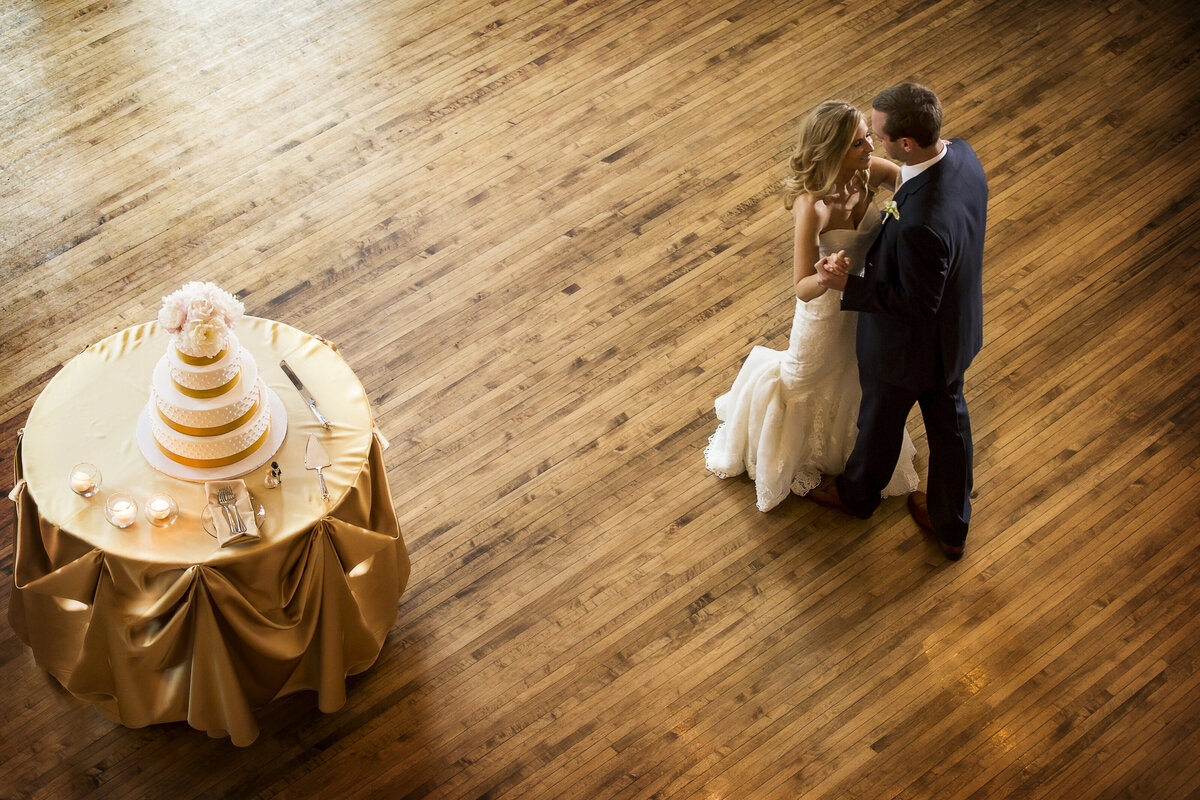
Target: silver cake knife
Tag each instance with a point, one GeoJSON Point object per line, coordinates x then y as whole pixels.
{"type": "Point", "coordinates": [304, 393]}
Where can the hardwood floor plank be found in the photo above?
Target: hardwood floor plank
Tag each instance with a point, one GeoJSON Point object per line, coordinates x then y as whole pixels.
{"type": "Point", "coordinates": [546, 235]}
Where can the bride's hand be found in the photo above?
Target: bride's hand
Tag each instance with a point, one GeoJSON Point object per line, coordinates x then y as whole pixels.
{"type": "Point", "coordinates": [834, 263]}
{"type": "Point", "coordinates": [831, 270]}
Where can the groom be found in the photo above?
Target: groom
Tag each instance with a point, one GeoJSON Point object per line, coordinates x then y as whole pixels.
{"type": "Point", "coordinates": [921, 299]}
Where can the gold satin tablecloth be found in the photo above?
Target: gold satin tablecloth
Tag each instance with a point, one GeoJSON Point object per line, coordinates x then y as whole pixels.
{"type": "Point", "coordinates": [161, 624]}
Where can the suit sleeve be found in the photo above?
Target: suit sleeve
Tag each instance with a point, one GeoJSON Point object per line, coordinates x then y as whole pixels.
{"type": "Point", "coordinates": [925, 263]}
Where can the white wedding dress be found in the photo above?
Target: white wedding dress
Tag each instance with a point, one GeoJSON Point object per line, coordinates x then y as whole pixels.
{"type": "Point", "coordinates": [792, 415]}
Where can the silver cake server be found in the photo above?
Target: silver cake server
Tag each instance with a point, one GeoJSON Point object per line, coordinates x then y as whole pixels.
{"type": "Point", "coordinates": [315, 457]}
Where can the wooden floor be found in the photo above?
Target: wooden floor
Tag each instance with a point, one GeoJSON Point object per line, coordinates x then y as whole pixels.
{"type": "Point", "coordinates": [544, 234]}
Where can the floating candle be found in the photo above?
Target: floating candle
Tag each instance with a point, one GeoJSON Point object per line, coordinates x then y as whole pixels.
{"type": "Point", "coordinates": [120, 510]}
{"type": "Point", "coordinates": [81, 482]}
{"type": "Point", "coordinates": [123, 512]}
{"type": "Point", "coordinates": [159, 507]}
{"type": "Point", "coordinates": [85, 479]}
{"type": "Point", "coordinates": [161, 510]}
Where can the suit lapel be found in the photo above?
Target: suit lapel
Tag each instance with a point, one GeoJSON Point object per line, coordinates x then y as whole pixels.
{"type": "Point", "coordinates": [907, 188]}
{"type": "Point", "coordinates": [874, 246]}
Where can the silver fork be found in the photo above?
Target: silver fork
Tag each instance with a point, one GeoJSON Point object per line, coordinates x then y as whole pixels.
{"type": "Point", "coordinates": [226, 499]}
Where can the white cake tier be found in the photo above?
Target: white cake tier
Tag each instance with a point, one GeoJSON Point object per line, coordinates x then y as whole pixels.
{"type": "Point", "coordinates": [189, 414]}
{"type": "Point", "coordinates": [205, 374]}
{"type": "Point", "coordinates": [276, 433]}
{"type": "Point", "coordinates": [215, 450]}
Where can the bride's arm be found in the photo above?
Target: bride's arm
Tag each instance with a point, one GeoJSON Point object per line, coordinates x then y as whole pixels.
{"type": "Point", "coordinates": [884, 173]}
{"type": "Point", "coordinates": [805, 250]}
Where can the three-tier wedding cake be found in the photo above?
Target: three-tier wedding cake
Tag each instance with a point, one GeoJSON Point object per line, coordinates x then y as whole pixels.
{"type": "Point", "coordinates": [209, 413]}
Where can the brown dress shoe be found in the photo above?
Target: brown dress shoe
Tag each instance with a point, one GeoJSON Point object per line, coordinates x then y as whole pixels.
{"type": "Point", "coordinates": [918, 506]}
{"type": "Point", "coordinates": [826, 494]}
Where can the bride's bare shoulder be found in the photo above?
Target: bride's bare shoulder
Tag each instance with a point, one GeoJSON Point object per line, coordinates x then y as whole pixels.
{"type": "Point", "coordinates": [809, 210]}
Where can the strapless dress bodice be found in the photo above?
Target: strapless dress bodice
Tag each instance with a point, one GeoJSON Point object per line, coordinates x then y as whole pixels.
{"type": "Point", "coordinates": [855, 242]}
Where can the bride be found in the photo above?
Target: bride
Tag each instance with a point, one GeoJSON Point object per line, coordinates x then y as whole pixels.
{"type": "Point", "coordinates": [791, 415]}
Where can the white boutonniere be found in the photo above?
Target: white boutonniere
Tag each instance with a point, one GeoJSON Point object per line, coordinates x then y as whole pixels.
{"type": "Point", "coordinates": [890, 209]}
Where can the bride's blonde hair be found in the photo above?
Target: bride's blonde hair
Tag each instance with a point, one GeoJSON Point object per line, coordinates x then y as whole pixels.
{"type": "Point", "coordinates": [825, 139]}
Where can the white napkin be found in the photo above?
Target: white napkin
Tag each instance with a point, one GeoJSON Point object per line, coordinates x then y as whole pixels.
{"type": "Point", "coordinates": [225, 535]}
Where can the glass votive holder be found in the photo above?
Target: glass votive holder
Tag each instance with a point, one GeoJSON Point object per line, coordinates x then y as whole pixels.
{"type": "Point", "coordinates": [120, 510]}
{"type": "Point", "coordinates": [85, 479]}
{"type": "Point", "coordinates": [161, 510]}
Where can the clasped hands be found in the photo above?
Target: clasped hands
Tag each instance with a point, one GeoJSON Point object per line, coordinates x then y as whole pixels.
{"type": "Point", "coordinates": [832, 270]}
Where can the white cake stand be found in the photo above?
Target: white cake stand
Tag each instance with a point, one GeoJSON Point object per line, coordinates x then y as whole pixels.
{"type": "Point", "coordinates": [262, 455]}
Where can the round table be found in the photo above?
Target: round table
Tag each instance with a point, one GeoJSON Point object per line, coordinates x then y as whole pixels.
{"type": "Point", "coordinates": [163, 624]}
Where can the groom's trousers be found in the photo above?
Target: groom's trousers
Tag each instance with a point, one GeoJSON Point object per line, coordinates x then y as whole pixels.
{"type": "Point", "coordinates": [881, 418]}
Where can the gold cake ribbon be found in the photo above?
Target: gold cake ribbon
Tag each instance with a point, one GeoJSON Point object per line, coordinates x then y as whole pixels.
{"type": "Point", "coordinates": [217, 431]}
{"type": "Point", "coordinates": [198, 361]}
{"type": "Point", "coordinates": [203, 463]}
{"type": "Point", "coordinates": [214, 392]}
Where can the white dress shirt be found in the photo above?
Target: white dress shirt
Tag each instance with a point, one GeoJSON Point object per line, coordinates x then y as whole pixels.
{"type": "Point", "coordinates": [910, 171]}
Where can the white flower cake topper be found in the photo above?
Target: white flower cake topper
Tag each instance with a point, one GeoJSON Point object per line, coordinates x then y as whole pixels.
{"type": "Point", "coordinates": [890, 209]}
{"type": "Point", "coordinates": [199, 316]}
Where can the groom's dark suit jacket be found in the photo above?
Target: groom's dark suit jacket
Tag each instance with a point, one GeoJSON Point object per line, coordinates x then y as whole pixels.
{"type": "Point", "coordinates": [923, 282]}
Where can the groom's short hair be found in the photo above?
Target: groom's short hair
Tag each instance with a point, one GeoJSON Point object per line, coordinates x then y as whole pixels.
{"type": "Point", "coordinates": [912, 111]}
